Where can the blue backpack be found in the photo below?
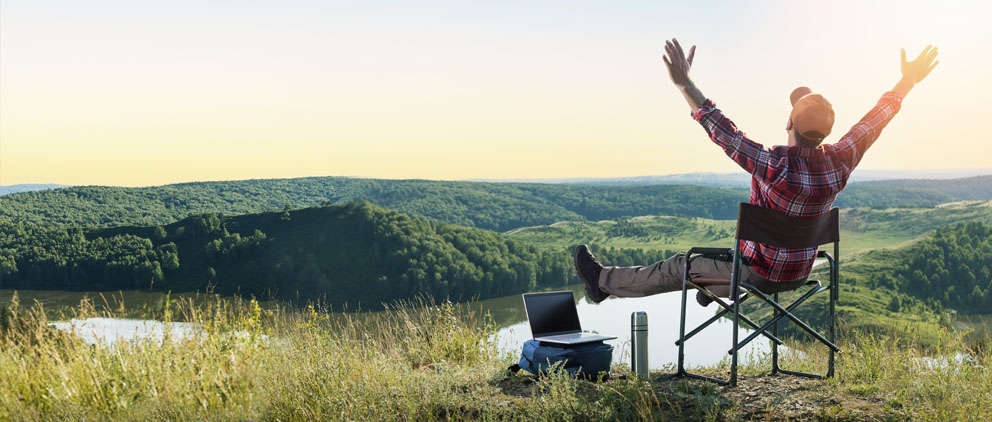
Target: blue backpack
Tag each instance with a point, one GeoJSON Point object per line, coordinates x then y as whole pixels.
{"type": "Point", "coordinates": [586, 360]}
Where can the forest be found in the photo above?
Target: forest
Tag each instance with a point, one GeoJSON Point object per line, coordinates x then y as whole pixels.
{"type": "Point", "coordinates": [952, 268]}
{"type": "Point", "coordinates": [360, 253]}
{"type": "Point", "coordinates": [356, 253]}
{"type": "Point", "coordinates": [492, 206]}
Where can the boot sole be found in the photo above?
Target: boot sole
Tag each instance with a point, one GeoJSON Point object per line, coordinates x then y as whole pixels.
{"type": "Point", "coordinates": [575, 264]}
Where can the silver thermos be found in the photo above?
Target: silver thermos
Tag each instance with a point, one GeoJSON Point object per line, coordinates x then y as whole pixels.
{"type": "Point", "coordinates": [639, 343]}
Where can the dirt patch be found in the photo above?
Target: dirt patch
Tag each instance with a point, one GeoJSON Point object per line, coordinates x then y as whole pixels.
{"type": "Point", "coordinates": [764, 397]}
{"type": "Point", "coordinates": [518, 385]}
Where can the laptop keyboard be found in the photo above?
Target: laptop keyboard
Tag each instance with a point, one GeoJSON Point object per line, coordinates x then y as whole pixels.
{"type": "Point", "coordinates": [563, 336]}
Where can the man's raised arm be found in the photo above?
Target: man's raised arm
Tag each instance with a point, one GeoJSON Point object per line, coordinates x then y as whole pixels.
{"type": "Point", "coordinates": [750, 155]}
{"type": "Point", "coordinates": [913, 72]}
{"type": "Point", "coordinates": [852, 147]}
{"type": "Point", "coordinates": [678, 69]}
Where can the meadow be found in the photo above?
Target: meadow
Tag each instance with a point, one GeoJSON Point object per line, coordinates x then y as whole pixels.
{"type": "Point", "coordinates": [431, 361]}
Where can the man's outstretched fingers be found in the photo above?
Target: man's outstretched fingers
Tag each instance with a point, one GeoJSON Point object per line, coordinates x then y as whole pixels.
{"type": "Point", "coordinates": [692, 53]}
{"type": "Point", "coordinates": [673, 56]}
{"type": "Point", "coordinates": [678, 48]}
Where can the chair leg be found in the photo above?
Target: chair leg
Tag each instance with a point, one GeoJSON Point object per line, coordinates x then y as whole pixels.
{"type": "Point", "coordinates": [832, 290]}
{"type": "Point", "coordinates": [735, 293]}
{"type": "Point", "coordinates": [774, 344]}
{"type": "Point", "coordinates": [833, 321]}
{"type": "Point", "coordinates": [682, 338]}
{"type": "Point", "coordinates": [682, 321]}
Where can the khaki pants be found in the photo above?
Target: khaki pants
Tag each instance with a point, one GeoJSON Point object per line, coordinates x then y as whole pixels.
{"type": "Point", "coordinates": [666, 276]}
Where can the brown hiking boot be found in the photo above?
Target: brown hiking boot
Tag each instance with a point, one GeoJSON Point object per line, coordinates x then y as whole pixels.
{"type": "Point", "coordinates": [702, 299]}
{"type": "Point", "coordinates": [588, 269]}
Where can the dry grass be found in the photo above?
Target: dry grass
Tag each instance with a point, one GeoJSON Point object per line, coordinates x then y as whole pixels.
{"type": "Point", "coordinates": [422, 361]}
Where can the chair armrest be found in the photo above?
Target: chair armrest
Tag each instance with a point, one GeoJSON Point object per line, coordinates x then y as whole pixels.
{"type": "Point", "coordinates": [710, 251]}
{"type": "Point", "coordinates": [719, 254]}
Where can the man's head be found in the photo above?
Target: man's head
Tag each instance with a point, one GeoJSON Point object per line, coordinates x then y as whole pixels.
{"type": "Point", "coordinates": [811, 119]}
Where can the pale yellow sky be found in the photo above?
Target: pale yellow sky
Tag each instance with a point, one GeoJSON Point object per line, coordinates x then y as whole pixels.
{"type": "Point", "coordinates": [117, 93]}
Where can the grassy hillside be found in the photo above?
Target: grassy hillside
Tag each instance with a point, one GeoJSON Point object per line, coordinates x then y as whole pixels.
{"type": "Point", "coordinates": [861, 229]}
{"type": "Point", "coordinates": [433, 363]}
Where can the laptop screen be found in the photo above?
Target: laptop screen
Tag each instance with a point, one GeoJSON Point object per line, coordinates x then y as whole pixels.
{"type": "Point", "coordinates": [551, 313]}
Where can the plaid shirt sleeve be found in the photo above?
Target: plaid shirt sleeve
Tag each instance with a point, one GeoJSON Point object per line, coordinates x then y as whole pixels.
{"type": "Point", "coordinates": [751, 156]}
{"type": "Point", "coordinates": [852, 147]}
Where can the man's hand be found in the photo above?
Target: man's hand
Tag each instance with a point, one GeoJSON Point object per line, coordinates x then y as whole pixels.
{"type": "Point", "coordinates": [678, 68]}
{"type": "Point", "coordinates": [678, 65]}
{"type": "Point", "coordinates": [918, 69]}
{"type": "Point", "coordinates": [913, 72]}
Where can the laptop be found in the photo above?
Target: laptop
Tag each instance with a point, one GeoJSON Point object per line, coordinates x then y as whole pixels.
{"type": "Point", "coordinates": [554, 319]}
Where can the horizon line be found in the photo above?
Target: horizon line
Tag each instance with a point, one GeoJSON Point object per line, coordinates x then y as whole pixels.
{"type": "Point", "coordinates": [974, 172]}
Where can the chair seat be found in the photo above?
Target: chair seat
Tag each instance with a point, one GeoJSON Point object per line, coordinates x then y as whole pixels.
{"type": "Point", "coordinates": [709, 281]}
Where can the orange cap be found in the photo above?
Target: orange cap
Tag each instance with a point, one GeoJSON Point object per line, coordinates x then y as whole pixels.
{"type": "Point", "coordinates": [812, 115]}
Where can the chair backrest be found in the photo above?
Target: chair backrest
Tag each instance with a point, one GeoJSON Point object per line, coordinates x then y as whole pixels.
{"type": "Point", "coordinates": [765, 225]}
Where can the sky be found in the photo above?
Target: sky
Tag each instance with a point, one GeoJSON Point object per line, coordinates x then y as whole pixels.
{"type": "Point", "coordinates": [146, 93]}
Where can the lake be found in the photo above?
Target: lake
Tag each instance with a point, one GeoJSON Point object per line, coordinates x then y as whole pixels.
{"type": "Point", "coordinates": [612, 317]}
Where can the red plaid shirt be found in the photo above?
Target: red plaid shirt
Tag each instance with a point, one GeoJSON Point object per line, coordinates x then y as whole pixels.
{"type": "Point", "coordinates": [798, 181]}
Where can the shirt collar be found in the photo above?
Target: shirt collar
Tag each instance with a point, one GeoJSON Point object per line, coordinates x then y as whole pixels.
{"type": "Point", "coordinates": [807, 152]}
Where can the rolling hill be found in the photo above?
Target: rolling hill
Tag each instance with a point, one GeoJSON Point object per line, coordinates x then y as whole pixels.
{"type": "Point", "coordinates": [862, 229]}
{"type": "Point", "coordinates": [492, 206]}
{"type": "Point", "coordinates": [355, 253]}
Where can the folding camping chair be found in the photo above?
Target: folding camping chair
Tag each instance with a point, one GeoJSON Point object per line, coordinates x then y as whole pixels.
{"type": "Point", "coordinates": [767, 226]}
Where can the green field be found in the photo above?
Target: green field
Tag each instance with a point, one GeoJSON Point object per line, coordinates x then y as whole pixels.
{"type": "Point", "coordinates": [862, 229]}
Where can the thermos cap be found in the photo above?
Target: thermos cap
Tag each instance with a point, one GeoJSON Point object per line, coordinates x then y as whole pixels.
{"type": "Point", "coordinates": [639, 319]}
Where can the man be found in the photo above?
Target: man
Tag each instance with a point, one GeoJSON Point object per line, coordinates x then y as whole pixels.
{"type": "Point", "coordinates": [801, 180]}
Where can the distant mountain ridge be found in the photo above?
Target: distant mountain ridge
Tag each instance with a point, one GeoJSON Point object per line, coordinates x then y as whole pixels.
{"type": "Point", "coordinates": [969, 188]}
{"type": "Point", "coordinates": [742, 180]}
{"type": "Point", "coordinates": [9, 189]}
